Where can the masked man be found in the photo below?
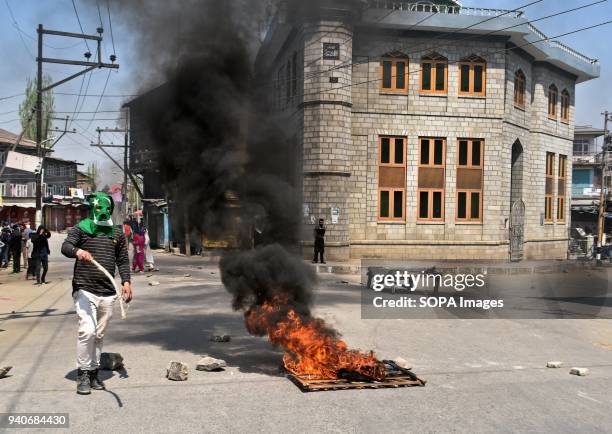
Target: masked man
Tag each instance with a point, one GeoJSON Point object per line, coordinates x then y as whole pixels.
{"type": "Point", "coordinates": [94, 295]}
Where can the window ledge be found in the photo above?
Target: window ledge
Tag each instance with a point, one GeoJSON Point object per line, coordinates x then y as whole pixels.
{"type": "Point", "coordinates": [565, 122]}
{"type": "Point", "coordinates": [390, 92]}
{"type": "Point", "coordinates": [425, 223]}
{"type": "Point", "coordinates": [390, 222]}
{"type": "Point", "coordinates": [460, 223]}
{"type": "Point", "coordinates": [518, 107]}
{"type": "Point", "coordinates": [483, 97]}
{"type": "Point", "coordinates": [552, 118]}
{"type": "Point", "coordinates": [435, 95]}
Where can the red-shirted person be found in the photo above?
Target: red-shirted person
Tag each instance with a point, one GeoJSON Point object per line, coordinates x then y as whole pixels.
{"type": "Point", "coordinates": [139, 246]}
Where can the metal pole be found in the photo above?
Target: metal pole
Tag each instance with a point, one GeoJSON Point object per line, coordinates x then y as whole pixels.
{"type": "Point", "coordinates": [124, 188]}
{"type": "Point", "coordinates": [39, 86]}
{"type": "Point", "coordinates": [602, 195]}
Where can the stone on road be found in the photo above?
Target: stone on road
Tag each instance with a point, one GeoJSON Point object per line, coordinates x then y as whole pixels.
{"type": "Point", "coordinates": [581, 372]}
{"type": "Point", "coordinates": [111, 361]}
{"type": "Point", "coordinates": [210, 364]}
{"type": "Point", "coordinates": [177, 371]}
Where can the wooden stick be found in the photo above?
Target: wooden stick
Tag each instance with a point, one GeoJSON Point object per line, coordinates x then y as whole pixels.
{"type": "Point", "coordinates": [116, 285]}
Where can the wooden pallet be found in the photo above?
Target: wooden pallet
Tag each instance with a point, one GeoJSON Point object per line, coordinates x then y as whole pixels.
{"type": "Point", "coordinates": [311, 384]}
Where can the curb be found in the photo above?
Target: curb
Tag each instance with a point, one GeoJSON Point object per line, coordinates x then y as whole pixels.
{"type": "Point", "coordinates": [479, 269]}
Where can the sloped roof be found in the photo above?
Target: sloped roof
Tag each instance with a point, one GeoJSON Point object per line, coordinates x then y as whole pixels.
{"type": "Point", "coordinates": [587, 130]}
{"type": "Point", "coordinates": [8, 137]}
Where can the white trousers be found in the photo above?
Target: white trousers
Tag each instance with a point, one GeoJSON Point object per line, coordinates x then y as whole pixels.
{"type": "Point", "coordinates": [93, 312]}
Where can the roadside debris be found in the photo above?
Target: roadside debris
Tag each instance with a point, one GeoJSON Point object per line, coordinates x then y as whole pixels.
{"type": "Point", "coordinates": [111, 361]}
{"type": "Point", "coordinates": [210, 364]}
{"type": "Point", "coordinates": [402, 363]}
{"type": "Point", "coordinates": [153, 283]}
{"type": "Point", "coordinates": [177, 371]}
{"type": "Point", "coordinates": [220, 338]}
{"type": "Point", "coordinates": [554, 364]}
{"type": "Point", "coordinates": [581, 372]}
{"type": "Point", "coordinates": [4, 371]}
{"type": "Point", "coordinates": [187, 275]}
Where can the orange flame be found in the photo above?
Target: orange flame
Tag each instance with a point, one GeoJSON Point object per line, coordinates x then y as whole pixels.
{"type": "Point", "coordinates": [310, 349]}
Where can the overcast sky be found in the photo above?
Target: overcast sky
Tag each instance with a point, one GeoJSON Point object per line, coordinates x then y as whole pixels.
{"type": "Point", "coordinates": [18, 48]}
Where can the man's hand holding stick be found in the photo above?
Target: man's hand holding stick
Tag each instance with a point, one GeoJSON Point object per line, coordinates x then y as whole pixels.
{"type": "Point", "coordinates": [125, 291]}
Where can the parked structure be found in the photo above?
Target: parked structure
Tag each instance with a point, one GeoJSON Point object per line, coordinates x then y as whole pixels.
{"type": "Point", "coordinates": [421, 140]}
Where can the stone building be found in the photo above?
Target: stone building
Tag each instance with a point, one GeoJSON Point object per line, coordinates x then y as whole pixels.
{"type": "Point", "coordinates": [427, 130]}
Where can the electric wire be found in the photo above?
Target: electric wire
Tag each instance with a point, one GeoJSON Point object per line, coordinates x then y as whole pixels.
{"type": "Point", "coordinates": [80, 26]}
{"type": "Point", "coordinates": [484, 57]}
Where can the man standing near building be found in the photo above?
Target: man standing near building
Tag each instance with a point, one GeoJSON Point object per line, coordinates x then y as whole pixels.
{"type": "Point", "coordinates": [5, 239]}
{"type": "Point", "coordinates": [94, 295]}
{"type": "Point", "coordinates": [25, 236]}
{"type": "Point", "coordinates": [15, 246]}
{"type": "Point", "coordinates": [319, 241]}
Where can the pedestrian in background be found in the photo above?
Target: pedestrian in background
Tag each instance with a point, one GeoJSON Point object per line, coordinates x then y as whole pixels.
{"type": "Point", "coordinates": [15, 246]}
{"type": "Point", "coordinates": [138, 257]}
{"type": "Point", "coordinates": [319, 241]}
{"type": "Point", "coordinates": [5, 239]}
{"type": "Point", "coordinates": [25, 236]}
{"type": "Point", "coordinates": [149, 259]}
{"type": "Point", "coordinates": [31, 266]}
{"type": "Point", "coordinates": [40, 254]}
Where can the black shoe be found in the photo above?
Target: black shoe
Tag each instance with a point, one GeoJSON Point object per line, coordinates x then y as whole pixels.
{"type": "Point", "coordinates": [83, 382]}
{"type": "Point", "coordinates": [96, 383]}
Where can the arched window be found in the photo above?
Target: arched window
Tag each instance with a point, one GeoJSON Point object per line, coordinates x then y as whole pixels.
{"type": "Point", "coordinates": [519, 89]}
{"type": "Point", "coordinates": [552, 101]}
{"type": "Point", "coordinates": [434, 74]}
{"type": "Point", "coordinates": [565, 104]}
{"type": "Point", "coordinates": [472, 76]}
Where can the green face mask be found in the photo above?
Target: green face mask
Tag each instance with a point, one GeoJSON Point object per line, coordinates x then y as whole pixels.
{"type": "Point", "coordinates": [99, 222]}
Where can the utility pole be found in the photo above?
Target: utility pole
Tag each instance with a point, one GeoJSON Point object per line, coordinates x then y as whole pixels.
{"type": "Point", "coordinates": [125, 169]}
{"type": "Point", "coordinates": [89, 66]}
{"type": "Point", "coordinates": [64, 131]}
{"type": "Point", "coordinates": [39, 86]}
{"type": "Point", "coordinates": [603, 194]}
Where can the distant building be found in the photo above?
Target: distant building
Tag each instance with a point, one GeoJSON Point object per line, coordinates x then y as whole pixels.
{"type": "Point", "coordinates": [421, 140]}
{"type": "Point", "coordinates": [84, 183]}
{"type": "Point", "coordinates": [586, 178]}
{"type": "Point", "coordinates": [62, 204]}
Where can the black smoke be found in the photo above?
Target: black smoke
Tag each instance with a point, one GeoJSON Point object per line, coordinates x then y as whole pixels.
{"type": "Point", "coordinates": [224, 158]}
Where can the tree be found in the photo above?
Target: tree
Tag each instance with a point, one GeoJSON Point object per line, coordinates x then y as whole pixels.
{"type": "Point", "coordinates": [29, 103]}
{"type": "Point", "coordinates": [92, 174]}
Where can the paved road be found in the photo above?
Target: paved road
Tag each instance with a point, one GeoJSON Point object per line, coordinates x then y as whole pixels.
{"type": "Point", "coordinates": [483, 375]}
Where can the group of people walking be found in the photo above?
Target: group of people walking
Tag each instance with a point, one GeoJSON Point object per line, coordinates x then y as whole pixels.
{"type": "Point", "coordinates": [19, 244]}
